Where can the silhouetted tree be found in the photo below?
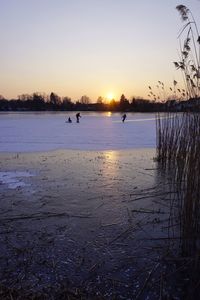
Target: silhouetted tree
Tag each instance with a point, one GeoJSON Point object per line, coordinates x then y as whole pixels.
{"type": "Point", "coordinates": [24, 97]}
{"type": "Point", "coordinates": [55, 100]}
{"type": "Point", "coordinates": [67, 104]}
{"type": "Point", "coordinates": [100, 105]}
{"type": "Point", "coordinates": [132, 104]}
{"type": "Point", "coordinates": [100, 100]}
{"type": "Point", "coordinates": [113, 105]}
{"type": "Point", "coordinates": [38, 101]}
{"type": "Point", "coordinates": [3, 104]}
{"type": "Point", "coordinates": [123, 103]}
{"type": "Point", "coordinates": [85, 100]}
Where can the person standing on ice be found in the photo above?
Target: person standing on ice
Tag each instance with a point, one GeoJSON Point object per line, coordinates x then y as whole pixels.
{"type": "Point", "coordinates": [78, 116]}
{"type": "Point", "coordinates": [123, 118]}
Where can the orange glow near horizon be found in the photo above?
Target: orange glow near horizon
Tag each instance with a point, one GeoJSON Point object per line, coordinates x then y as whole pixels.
{"type": "Point", "coordinates": [109, 97]}
{"type": "Point", "coordinates": [105, 66]}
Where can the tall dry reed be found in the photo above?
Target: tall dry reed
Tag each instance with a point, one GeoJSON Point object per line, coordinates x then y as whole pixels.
{"type": "Point", "coordinates": [178, 152]}
{"type": "Point", "coordinates": [189, 54]}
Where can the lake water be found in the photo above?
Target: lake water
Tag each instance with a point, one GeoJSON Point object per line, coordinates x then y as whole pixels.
{"type": "Point", "coordinates": [44, 131]}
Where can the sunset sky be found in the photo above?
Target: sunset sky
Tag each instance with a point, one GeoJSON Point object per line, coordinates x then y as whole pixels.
{"type": "Point", "coordinates": [89, 47]}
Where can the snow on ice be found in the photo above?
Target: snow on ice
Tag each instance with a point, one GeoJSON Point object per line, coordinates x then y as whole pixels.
{"type": "Point", "coordinates": [44, 131]}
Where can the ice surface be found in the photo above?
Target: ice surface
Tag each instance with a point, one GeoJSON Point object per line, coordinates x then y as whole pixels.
{"type": "Point", "coordinates": [30, 132]}
{"type": "Point", "coordinates": [14, 178]}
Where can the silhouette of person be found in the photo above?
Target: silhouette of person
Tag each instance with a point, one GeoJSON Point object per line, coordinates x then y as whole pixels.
{"type": "Point", "coordinates": [78, 116]}
{"type": "Point", "coordinates": [123, 118]}
{"type": "Point", "coordinates": [68, 120]}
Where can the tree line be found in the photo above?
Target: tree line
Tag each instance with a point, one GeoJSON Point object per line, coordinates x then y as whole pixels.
{"type": "Point", "coordinates": [53, 102]}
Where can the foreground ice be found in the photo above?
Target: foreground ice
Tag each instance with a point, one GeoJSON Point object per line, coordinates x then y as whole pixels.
{"type": "Point", "coordinates": [14, 179]}
{"type": "Point", "coordinates": [29, 132]}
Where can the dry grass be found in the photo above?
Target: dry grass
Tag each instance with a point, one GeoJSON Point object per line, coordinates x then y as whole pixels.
{"type": "Point", "coordinates": [178, 147]}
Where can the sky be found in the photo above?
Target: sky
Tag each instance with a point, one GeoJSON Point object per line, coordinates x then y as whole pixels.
{"type": "Point", "coordinates": [89, 47]}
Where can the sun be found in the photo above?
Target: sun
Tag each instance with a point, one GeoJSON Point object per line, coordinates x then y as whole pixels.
{"type": "Point", "coordinates": [110, 96]}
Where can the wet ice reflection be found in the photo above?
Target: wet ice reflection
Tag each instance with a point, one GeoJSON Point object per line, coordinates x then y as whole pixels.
{"type": "Point", "coordinates": [14, 179]}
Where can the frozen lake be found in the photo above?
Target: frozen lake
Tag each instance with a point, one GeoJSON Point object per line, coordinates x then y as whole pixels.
{"type": "Point", "coordinates": [43, 131]}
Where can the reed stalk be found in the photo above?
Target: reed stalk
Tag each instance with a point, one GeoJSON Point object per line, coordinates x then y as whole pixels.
{"type": "Point", "coordinates": [189, 43]}
{"type": "Point", "coordinates": [178, 148]}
